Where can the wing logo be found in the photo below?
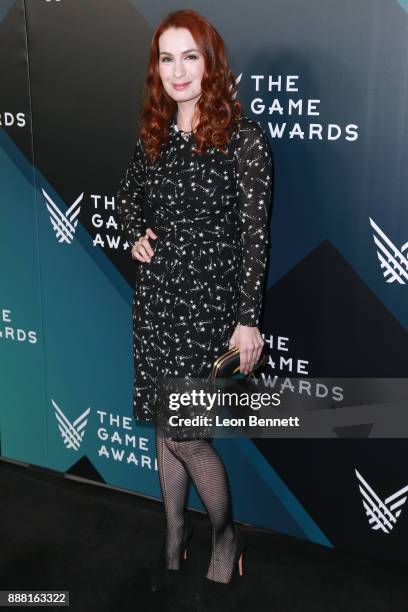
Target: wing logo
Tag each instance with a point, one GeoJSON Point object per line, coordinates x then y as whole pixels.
{"type": "Point", "coordinates": [237, 81]}
{"type": "Point", "coordinates": [71, 433]}
{"type": "Point", "coordinates": [394, 261]}
{"type": "Point", "coordinates": [381, 514]}
{"type": "Point", "coordinates": [64, 224]}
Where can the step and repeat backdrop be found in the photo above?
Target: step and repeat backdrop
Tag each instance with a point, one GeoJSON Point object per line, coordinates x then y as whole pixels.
{"type": "Point", "coordinates": [328, 82]}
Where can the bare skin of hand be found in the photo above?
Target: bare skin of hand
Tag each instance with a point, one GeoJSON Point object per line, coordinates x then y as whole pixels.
{"type": "Point", "coordinates": [141, 250]}
{"type": "Point", "coordinates": [250, 342]}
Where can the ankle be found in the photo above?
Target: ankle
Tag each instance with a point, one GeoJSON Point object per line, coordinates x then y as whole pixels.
{"type": "Point", "coordinates": [223, 554]}
{"type": "Point", "coordinates": [226, 537]}
{"type": "Point", "coordinates": [172, 552]}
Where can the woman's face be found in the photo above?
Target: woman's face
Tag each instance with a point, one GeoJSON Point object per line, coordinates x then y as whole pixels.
{"type": "Point", "coordinates": [180, 63]}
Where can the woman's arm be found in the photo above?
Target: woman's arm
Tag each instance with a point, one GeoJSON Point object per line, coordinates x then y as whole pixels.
{"type": "Point", "coordinates": [129, 197]}
{"type": "Point", "coordinates": [254, 191]}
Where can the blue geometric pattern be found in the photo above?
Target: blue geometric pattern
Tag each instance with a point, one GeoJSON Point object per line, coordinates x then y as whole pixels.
{"type": "Point", "coordinates": [404, 4]}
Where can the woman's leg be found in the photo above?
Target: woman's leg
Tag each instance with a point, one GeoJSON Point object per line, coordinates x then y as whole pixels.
{"type": "Point", "coordinates": [207, 471]}
{"type": "Point", "coordinates": [174, 484]}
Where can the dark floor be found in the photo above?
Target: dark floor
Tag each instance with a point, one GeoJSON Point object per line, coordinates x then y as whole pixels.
{"type": "Point", "coordinates": [96, 543]}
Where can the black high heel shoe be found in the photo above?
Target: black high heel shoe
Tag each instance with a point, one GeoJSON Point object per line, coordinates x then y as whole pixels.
{"type": "Point", "coordinates": [212, 589]}
{"type": "Point", "coordinates": [161, 577]}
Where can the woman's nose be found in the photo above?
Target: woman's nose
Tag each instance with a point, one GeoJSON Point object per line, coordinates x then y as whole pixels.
{"type": "Point", "coordinates": [178, 70]}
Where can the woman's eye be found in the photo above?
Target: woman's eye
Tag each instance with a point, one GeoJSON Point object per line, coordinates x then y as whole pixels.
{"type": "Point", "coordinates": [192, 55]}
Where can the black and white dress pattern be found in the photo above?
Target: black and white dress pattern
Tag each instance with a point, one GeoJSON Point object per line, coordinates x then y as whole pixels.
{"type": "Point", "coordinates": [208, 269]}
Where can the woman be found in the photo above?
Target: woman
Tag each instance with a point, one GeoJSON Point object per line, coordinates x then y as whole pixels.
{"type": "Point", "coordinates": [205, 171]}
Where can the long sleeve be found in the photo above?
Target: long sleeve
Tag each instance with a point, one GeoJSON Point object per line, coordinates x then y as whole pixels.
{"type": "Point", "coordinates": [129, 197]}
{"type": "Point", "coordinates": [254, 192]}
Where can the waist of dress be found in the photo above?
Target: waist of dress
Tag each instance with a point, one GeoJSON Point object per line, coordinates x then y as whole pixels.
{"type": "Point", "coordinates": [192, 238]}
{"type": "Point", "coordinates": [216, 225]}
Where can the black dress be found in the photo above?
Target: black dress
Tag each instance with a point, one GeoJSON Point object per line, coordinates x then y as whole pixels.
{"type": "Point", "coordinates": [207, 273]}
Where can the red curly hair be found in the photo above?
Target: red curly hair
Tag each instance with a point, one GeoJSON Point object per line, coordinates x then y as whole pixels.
{"type": "Point", "coordinates": [218, 110]}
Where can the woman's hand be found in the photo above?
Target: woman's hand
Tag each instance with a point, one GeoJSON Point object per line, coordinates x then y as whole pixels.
{"type": "Point", "coordinates": [249, 341]}
{"type": "Point", "coordinates": [141, 250]}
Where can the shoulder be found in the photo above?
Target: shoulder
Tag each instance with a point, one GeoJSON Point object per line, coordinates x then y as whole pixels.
{"type": "Point", "coordinates": [139, 148]}
{"type": "Point", "coordinates": [250, 127]}
{"type": "Point", "coordinates": [251, 133]}
{"type": "Point", "coordinates": [139, 154]}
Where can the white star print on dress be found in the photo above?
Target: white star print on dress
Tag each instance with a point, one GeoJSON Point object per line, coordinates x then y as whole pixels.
{"type": "Point", "coordinates": [208, 268]}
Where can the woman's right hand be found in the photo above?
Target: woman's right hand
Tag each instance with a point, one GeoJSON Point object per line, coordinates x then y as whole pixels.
{"type": "Point", "coordinates": [141, 250]}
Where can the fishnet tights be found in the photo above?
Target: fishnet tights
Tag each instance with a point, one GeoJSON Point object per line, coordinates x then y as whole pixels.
{"type": "Point", "coordinates": [197, 459]}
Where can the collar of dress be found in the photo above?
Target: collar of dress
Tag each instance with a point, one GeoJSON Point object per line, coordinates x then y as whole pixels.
{"type": "Point", "coordinates": [174, 127]}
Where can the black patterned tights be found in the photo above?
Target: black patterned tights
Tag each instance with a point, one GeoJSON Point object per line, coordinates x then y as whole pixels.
{"type": "Point", "coordinates": [197, 459]}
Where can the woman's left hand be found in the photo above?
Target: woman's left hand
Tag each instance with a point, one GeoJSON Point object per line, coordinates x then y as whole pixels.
{"type": "Point", "coordinates": [249, 341]}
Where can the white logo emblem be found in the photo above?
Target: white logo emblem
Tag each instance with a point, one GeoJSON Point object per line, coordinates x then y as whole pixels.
{"type": "Point", "coordinates": [394, 261]}
{"type": "Point", "coordinates": [381, 514]}
{"type": "Point", "coordinates": [237, 80]}
{"type": "Point", "coordinates": [72, 433]}
{"type": "Point", "coordinates": [64, 224]}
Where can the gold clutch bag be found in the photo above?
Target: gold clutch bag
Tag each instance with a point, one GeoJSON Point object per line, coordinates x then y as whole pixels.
{"type": "Point", "coordinates": [228, 365]}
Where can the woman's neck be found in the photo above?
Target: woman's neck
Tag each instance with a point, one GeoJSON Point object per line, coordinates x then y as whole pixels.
{"type": "Point", "coordinates": [184, 121]}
